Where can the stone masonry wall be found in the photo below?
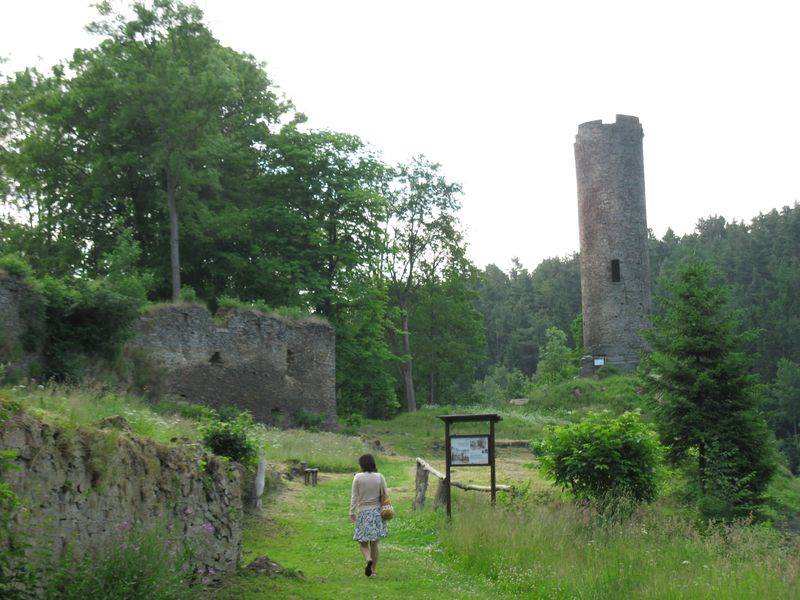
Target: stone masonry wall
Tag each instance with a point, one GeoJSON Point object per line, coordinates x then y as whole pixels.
{"type": "Point", "coordinates": [18, 309]}
{"type": "Point", "coordinates": [86, 488]}
{"type": "Point", "coordinates": [274, 367]}
{"type": "Point", "coordinates": [613, 227]}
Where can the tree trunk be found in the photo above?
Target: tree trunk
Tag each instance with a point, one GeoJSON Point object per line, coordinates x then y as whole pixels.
{"type": "Point", "coordinates": [408, 378]}
{"type": "Point", "coordinates": [701, 466]}
{"type": "Point", "coordinates": [431, 389]}
{"type": "Point", "coordinates": [174, 254]}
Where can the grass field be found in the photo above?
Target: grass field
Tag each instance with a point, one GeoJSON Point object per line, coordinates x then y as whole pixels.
{"type": "Point", "coordinates": [538, 545]}
{"type": "Point", "coordinates": [542, 547]}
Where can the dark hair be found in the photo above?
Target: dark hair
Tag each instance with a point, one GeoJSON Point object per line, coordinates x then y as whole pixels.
{"type": "Point", "coordinates": [367, 463]}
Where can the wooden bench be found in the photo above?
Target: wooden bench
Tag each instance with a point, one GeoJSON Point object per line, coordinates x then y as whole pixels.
{"type": "Point", "coordinates": [310, 476]}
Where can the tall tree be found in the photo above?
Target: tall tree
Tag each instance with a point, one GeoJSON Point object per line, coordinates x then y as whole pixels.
{"type": "Point", "coordinates": [447, 330]}
{"type": "Point", "coordinates": [158, 129]}
{"type": "Point", "coordinates": [422, 228]}
{"type": "Point", "coordinates": [706, 404]}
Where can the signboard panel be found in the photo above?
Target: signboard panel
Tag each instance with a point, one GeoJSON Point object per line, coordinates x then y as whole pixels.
{"type": "Point", "coordinates": [469, 450]}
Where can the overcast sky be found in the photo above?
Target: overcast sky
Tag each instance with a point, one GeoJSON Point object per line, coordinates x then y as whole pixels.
{"type": "Point", "coordinates": [495, 91]}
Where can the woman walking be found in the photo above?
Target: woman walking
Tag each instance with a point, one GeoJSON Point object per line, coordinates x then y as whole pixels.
{"type": "Point", "coordinates": [369, 487]}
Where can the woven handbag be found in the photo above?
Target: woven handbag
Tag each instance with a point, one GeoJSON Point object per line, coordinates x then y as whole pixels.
{"type": "Point", "coordinates": [387, 512]}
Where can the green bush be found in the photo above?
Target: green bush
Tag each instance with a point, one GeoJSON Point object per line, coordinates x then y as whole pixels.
{"type": "Point", "coordinates": [14, 577]}
{"type": "Point", "coordinates": [232, 438]}
{"type": "Point", "coordinates": [604, 458]}
{"type": "Point", "coordinates": [557, 361]}
{"type": "Point", "coordinates": [309, 420]}
{"type": "Point", "coordinates": [188, 295]}
{"type": "Point", "coordinates": [290, 312]}
{"type": "Point", "coordinates": [141, 565]}
{"type": "Point", "coordinates": [13, 264]}
{"type": "Point", "coordinates": [500, 385]}
{"type": "Point", "coordinates": [352, 423]}
{"type": "Point", "coordinates": [83, 318]}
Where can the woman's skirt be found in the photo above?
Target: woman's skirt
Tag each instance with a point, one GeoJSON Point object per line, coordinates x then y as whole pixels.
{"type": "Point", "coordinates": [369, 525]}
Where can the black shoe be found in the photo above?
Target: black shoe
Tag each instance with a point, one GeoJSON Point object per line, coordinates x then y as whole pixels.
{"type": "Point", "coordinates": [368, 569]}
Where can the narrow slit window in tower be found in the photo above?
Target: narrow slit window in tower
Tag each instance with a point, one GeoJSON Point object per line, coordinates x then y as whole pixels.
{"type": "Point", "coordinates": [615, 270]}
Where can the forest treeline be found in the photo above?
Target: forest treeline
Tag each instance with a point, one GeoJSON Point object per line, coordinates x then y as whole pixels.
{"type": "Point", "coordinates": [759, 261]}
{"type": "Point", "coordinates": [162, 155]}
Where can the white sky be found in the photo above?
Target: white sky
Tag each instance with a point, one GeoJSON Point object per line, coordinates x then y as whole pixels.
{"type": "Point", "coordinates": [495, 92]}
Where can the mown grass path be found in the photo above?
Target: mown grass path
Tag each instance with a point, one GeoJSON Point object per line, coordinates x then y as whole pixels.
{"type": "Point", "coordinates": [307, 528]}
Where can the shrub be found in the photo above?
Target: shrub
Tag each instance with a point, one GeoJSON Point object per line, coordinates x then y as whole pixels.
{"type": "Point", "coordinates": [352, 423]}
{"type": "Point", "coordinates": [83, 318]}
{"type": "Point", "coordinates": [309, 420]}
{"type": "Point", "coordinates": [604, 458]}
{"type": "Point", "coordinates": [15, 578]}
{"type": "Point", "coordinates": [500, 385]}
{"type": "Point", "coordinates": [232, 438]}
{"type": "Point", "coordinates": [13, 264]}
{"type": "Point", "coordinates": [188, 295]}
{"type": "Point", "coordinates": [296, 313]}
{"type": "Point", "coordinates": [557, 362]}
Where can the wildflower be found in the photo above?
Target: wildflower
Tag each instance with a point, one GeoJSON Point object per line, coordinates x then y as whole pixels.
{"type": "Point", "coordinates": [208, 528]}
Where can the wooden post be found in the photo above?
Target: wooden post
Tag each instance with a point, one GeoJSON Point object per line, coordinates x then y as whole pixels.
{"type": "Point", "coordinates": [491, 461]}
{"type": "Point", "coordinates": [441, 494]}
{"type": "Point", "coordinates": [420, 487]}
{"type": "Point", "coordinates": [448, 491]}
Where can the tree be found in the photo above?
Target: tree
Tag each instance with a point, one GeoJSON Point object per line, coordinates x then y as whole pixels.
{"type": "Point", "coordinates": [447, 330]}
{"type": "Point", "coordinates": [159, 129]}
{"type": "Point", "coordinates": [704, 394]}
{"type": "Point", "coordinates": [557, 362]}
{"type": "Point", "coordinates": [422, 228]}
{"type": "Point", "coordinates": [783, 410]}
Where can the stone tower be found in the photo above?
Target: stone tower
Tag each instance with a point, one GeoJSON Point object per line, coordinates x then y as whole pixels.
{"type": "Point", "coordinates": [615, 268]}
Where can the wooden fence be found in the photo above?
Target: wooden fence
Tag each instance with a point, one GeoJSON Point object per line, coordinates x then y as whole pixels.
{"type": "Point", "coordinates": [424, 470]}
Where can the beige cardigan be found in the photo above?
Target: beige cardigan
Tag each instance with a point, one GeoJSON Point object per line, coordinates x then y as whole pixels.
{"type": "Point", "coordinates": [366, 491]}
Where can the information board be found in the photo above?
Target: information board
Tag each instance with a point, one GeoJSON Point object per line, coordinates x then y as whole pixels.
{"type": "Point", "coordinates": [469, 450]}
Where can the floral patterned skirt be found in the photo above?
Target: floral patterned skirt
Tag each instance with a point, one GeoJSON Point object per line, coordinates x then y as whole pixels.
{"type": "Point", "coordinates": [369, 525]}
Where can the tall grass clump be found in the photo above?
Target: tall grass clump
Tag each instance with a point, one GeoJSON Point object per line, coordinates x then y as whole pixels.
{"type": "Point", "coordinates": [326, 451]}
{"type": "Point", "coordinates": [140, 565]}
{"type": "Point", "coordinates": [565, 551]}
{"type": "Point", "coordinates": [84, 407]}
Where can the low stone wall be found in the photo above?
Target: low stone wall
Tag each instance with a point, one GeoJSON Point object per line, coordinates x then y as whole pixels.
{"type": "Point", "coordinates": [85, 488]}
{"type": "Point", "coordinates": [276, 368]}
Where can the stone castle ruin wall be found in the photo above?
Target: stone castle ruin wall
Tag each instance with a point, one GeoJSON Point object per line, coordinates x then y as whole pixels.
{"type": "Point", "coordinates": [282, 370]}
{"type": "Point", "coordinates": [277, 368]}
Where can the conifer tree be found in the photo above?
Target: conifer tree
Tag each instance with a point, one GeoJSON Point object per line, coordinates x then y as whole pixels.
{"type": "Point", "coordinates": [704, 394]}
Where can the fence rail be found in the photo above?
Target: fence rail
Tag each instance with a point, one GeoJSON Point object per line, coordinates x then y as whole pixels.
{"type": "Point", "coordinates": [424, 469]}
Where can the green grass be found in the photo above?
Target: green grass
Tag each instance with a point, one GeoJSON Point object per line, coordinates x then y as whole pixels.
{"type": "Point", "coordinates": [330, 452]}
{"type": "Point", "coordinates": [539, 548]}
{"type": "Point", "coordinates": [309, 530]}
{"type": "Point", "coordinates": [559, 551]}
{"type": "Point", "coordinates": [574, 398]}
{"type": "Point", "coordinates": [73, 407]}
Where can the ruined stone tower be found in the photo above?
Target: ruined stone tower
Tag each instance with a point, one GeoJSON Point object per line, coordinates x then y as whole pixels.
{"type": "Point", "coordinates": [615, 269]}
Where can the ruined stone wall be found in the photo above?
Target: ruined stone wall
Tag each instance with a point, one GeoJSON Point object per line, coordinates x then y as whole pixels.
{"type": "Point", "coordinates": [276, 368]}
{"type": "Point", "coordinates": [86, 488]}
{"type": "Point", "coordinates": [18, 312]}
{"type": "Point", "coordinates": [613, 227]}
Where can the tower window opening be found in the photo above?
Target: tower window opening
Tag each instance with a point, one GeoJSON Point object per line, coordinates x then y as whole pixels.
{"type": "Point", "coordinates": [615, 270]}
